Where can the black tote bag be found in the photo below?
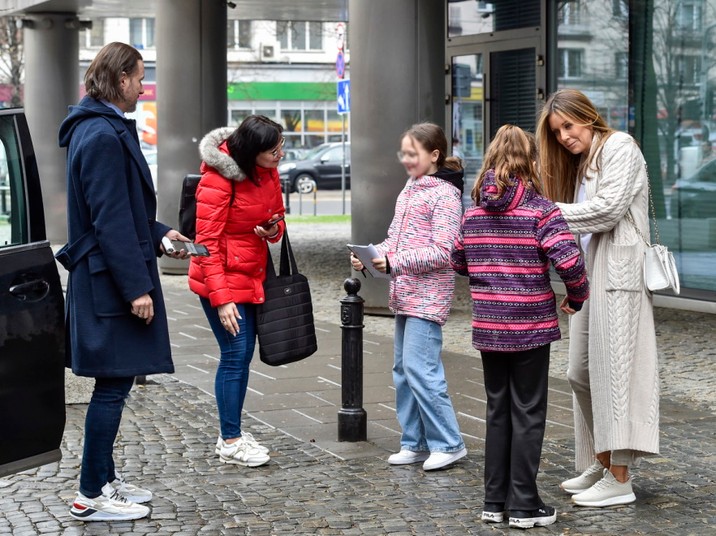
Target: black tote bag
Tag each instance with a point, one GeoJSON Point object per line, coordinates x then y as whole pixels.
{"type": "Point", "coordinates": [284, 322]}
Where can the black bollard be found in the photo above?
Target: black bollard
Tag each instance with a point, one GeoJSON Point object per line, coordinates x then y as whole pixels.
{"type": "Point", "coordinates": [352, 418]}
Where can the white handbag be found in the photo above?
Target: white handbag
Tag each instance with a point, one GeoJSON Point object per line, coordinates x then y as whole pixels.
{"type": "Point", "coordinates": [659, 265]}
{"type": "Point", "coordinates": [660, 269]}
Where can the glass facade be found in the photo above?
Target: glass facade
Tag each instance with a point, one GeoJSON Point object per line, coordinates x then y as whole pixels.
{"type": "Point", "coordinates": [648, 65]}
{"type": "Point", "coordinates": [677, 126]}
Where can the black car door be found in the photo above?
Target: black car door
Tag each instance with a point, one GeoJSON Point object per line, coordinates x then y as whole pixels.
{"type": "Point", "coordinates": [32, 333]}
{"type": "Point", "coordinates": [329, 168]}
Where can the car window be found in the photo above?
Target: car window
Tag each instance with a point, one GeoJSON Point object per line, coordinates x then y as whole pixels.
{"type": "Point", "coordinates": [333, 155]}
{"type": "Point", "coordinates": [13, 217]}
{"type": "Point", "coordinates": [314, 152]}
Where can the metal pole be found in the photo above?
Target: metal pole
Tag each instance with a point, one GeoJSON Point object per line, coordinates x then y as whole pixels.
{"type": "Point", "coordinates": [287, 192]}
{"type": "Point", "coordinates": [343, 166]}
{"type": "Point", "coordinates": [352, 418]}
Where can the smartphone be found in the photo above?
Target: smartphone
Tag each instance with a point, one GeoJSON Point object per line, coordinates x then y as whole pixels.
{"type": "Point", "coordinates": [271, 223]}
{"type": "Point", "coordinates": [192, 248]}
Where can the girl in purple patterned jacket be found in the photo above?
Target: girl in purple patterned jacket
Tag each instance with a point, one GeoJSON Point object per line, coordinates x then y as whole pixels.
{"type": "Point", "coordinates": [416, 254]}
{"type": "Point", "coordinates": [505, 246]}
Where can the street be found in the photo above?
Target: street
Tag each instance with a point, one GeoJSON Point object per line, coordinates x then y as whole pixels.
{"type": "Point", "coordinates": [320, 203]}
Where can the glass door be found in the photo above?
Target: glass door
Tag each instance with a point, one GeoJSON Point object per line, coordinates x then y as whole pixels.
{"type": "Point", "coordinates": [491, 84]}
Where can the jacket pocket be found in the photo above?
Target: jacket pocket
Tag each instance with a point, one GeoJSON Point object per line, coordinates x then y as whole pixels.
{"type": "Point", "coordinates": [107, 300]}
{"type": "Point", "coordinates": [624, 267]}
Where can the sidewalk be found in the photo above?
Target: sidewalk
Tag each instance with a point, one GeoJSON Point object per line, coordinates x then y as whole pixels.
{"type": "Point", "coordinates": [317, 485]}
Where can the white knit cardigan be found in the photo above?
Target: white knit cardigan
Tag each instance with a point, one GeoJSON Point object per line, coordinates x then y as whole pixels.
{"type": "Point", "coordinates": [623, 365]}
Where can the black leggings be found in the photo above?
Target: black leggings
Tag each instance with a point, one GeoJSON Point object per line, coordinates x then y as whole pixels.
{"type": "Point", "coordinates": [516, 387]}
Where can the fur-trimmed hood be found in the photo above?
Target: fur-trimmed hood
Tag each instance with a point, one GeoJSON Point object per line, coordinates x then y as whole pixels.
{"type": "Point", "coordinates": [214, 153]}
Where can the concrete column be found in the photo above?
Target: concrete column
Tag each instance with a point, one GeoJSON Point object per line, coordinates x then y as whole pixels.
{"type": "Point", "coordinates": [397, 79]}
{"type": "Point", "coordinates": [191, 96]}
{"type": "Point", "coordinates": [51, 43]}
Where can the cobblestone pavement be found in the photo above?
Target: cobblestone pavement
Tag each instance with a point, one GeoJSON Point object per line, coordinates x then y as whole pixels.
{"type": "Point", "coordinates": [168, 432]}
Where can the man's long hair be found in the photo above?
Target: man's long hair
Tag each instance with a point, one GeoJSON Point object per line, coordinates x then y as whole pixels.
{"type": "Point", "coordinates": [105, 72]}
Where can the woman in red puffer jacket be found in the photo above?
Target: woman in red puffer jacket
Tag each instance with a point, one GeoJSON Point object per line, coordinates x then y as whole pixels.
{"type": "Point", "coordinates": [238, 202]}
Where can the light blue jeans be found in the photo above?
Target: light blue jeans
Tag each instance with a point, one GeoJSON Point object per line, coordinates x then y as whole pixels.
{"type": "Point", "coordinates": [232, 375]}
{"type": "Point", "coordinates": [425, 412]}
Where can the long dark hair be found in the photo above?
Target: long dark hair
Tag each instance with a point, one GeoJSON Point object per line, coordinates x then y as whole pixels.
{"type": "Point", "coordinates": [256, 134]}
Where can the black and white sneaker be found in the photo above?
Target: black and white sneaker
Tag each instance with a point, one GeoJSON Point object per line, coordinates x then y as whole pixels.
{"type": "Point", "coordinates": [103, 508]}
{"type": "Point", "coordinates": [493, 513]}
{"type": "Point", "coordinates": [521, 519]}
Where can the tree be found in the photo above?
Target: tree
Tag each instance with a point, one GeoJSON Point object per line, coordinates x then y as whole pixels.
{"type": "Point", "coordinates": [11, 58]}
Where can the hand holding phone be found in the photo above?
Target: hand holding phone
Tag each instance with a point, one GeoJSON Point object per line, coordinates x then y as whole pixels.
{"type": "Point", "coordinates": [192, 248]}
{"type": "Point", "coordinates": [273, 222]}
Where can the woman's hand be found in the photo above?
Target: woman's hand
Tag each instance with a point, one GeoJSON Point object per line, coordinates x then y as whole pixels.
{"type": "Point", "coordinates": [229, 317]}
{"type": "Point", "coordinates": [269, 232]}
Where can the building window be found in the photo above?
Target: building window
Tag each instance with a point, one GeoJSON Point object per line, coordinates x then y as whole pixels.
{"type": "Point", "coordinates": [93, 37]}
{"type": "Point", "coordinates": [141, 33]}
{"type": "Point", "coordinates": [620, 8]}
{"type": "Point", "coordinates": [300, 35]}
{"type": "Point", "coordinates": [621, 62]}
{"type": "Point", "coordinates": [688, 18]}
{"type": "Point", "coordinates": [689, 69]}
{"type": "Point", "coordinates": [569, 12]}
{"type": "Point", "coordinates": [238, 34]}
{"type": "Point", "coordinates": [570, 62]}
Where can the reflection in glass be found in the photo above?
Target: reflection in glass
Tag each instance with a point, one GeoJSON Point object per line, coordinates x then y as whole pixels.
{"type": "Point", "coordinates": [467, 115]}
{"type": "Point", "coordinates": [672, 110]}
{"type": "Point", "coordinates": [470, 17]}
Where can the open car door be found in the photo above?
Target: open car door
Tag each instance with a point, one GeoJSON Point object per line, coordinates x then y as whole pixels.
{"type": "Point", "coordinates": [32, 332]}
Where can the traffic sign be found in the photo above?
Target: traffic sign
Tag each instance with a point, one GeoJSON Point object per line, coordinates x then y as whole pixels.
{"type": "Point", "coordinates": [340, 65]}
{"type": "Point", "coordinates": [344, 96]}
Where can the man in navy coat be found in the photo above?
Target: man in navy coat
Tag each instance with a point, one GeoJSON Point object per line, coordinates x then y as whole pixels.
{"type": "Point", "coordinates": [115, 314]}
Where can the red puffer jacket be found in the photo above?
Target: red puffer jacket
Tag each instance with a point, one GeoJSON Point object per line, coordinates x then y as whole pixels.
{"type": "Point", "coordinates": [235, 269]}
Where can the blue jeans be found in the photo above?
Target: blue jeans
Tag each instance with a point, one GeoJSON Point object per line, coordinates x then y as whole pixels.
{"type": "Point", "coordinates": [232, 376]}
{"type": "Point", "coordinates": [425, 412]}
{"type": "Point", "coordinates": [104, 414]}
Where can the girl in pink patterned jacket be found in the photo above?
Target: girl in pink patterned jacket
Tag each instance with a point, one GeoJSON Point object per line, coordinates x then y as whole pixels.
{"type": "Point", "coordinates": [416, 254]}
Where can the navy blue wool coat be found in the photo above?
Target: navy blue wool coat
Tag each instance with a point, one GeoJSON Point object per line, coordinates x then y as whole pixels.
{"type": "Point", "coordinates": [110, 193]}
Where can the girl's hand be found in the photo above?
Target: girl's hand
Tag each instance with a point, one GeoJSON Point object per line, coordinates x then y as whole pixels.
{"type": "Point", "coordinates": [565, 308]}
{"type": "Point", "coordinates": [355, 262]}
{"type": "Point", "coordinates": [380, 264]}
{"type": "Point", "coordinates": [229, 316]}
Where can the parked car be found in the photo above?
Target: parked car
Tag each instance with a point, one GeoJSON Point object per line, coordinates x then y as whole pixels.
{"type": "Point", "coordinates": [32, 330]}
{"type": "Point", "coordinates": [289, 155]}
{"type": "Point", "coordinates": [320, 168]}
{"type": "Point", "coordinates": [695, 196]}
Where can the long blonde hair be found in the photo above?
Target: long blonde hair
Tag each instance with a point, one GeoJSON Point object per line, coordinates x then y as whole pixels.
{"type": "Point", "coordinates": [561, 169]}
{"type": "Point", "coordinates": [512, 153]}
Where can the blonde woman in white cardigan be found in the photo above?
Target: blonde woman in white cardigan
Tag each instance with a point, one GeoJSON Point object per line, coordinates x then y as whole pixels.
{"type": "Point", "coordinates": [597, 176]}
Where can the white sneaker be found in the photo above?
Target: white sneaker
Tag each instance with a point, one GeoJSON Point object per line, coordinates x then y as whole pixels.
{"type": "Point", "coordinates": [241, 453]}
{"type": "Point", "coordinates": [607, 492]}
{"type": "Point", "coordinates": [248, 438]}
{"type": "Point", "coordinates": [438, 460]}
{"type": "Point", "coordinates": [586, 480]}
{"type": "Point", "coordinates": [103, 508]}
{"type": "Point", "coordinates": [130, 492]}
{"type": "Point", "coordinates": [406, 457]}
